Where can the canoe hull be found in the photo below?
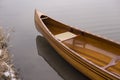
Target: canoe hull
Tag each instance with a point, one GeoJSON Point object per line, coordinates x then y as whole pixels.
{"type": "Point", "coordinates": [76, 61]}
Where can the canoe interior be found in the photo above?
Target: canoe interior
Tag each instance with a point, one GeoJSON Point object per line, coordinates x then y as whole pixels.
{"type": "Point", "coordinates": [95, 49]}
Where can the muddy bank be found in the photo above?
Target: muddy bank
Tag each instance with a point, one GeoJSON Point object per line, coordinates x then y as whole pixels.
{"type": "Point", "coordinates": [7, 69]}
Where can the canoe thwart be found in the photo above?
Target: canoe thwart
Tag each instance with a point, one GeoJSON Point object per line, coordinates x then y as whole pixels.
{"type": "Point", "coordinates": [113, 62]}
{"type": "Point", "coordinates": [43, 17]}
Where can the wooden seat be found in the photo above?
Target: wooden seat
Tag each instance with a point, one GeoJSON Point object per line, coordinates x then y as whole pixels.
{"type": "Point", "coordinates": [65, 36]}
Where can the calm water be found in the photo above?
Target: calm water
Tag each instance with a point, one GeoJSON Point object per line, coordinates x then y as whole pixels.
{"type": "Point", "coordinates": [35, 58]}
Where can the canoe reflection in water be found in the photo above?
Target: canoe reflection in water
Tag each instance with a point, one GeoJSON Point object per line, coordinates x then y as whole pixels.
{"type": "Point", "coordinates": [63, 68]}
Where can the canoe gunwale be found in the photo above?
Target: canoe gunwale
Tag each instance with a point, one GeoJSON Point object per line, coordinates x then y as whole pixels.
{"type": "Point", "coordinates": [49, 35]}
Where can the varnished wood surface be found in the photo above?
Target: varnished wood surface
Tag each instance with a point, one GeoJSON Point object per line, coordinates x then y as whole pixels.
{"type": "Point", "coordinates": [84, 50]}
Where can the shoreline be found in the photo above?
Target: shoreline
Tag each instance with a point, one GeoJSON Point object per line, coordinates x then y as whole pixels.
{"type": "Point", "coordinates": [7, 69]}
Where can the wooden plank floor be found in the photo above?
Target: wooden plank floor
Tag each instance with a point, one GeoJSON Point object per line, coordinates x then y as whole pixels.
{"type": "Point", "coordinates": [92, 55]}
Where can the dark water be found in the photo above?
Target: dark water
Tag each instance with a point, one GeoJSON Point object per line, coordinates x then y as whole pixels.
{"type": "Point", "coordinates": [35, 58]}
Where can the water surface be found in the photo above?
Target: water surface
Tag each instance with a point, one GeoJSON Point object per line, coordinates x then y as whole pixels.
{"type": "Point", "coordinates": [32, 52]}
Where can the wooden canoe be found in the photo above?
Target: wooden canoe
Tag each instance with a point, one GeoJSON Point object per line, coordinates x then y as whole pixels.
{"type": "Point", "coordinates": [94, 56]}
